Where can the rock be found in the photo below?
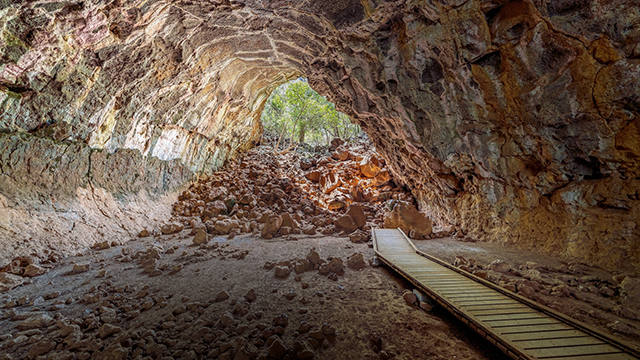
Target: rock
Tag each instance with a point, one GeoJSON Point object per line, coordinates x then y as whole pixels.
{"type": "Point", "coordinates": [328, 330]}
{"type": "Point", "coordinates": [409, 297]}
{"type": "Point", "coordinates": [225, 226]}
{"type": "Point", "coordinates": [222, 296]}
{"type": "Point", "coordinates": [369, 167]}
{"type": "Point", "coordinates": [200, 237]}
{"type": "Point", "coordinates": [41, 348]}
{"type": "Point", "coordinates": [305, 164]}
{"type": "Point", "coordinates": [403, 215]}
{"type": "Point", "coordinates": [282, 271]}
{"type": "Point", "coordinates": [271, 227]}
{"type": "Point", "coordinates": [9, 281]}
{"type": "Point", "coordinates": [345, 223]}
{"type": "Point", "coordinates": [288, 221]}
{"type": "Point", "coordinates": [631, 291]}
{"type": "Point", "coordinates": [171, 228]}
{"type": "Point", "coordinates": [144, 233]}
{"type": "Point", "coordinates": [314, 258]}
{"type": "Point", "coordinates": [251, 295]}
{"type": "Point", "coordinates": [33, 270]}
{"type": "Point", "coordinates": [281, 320]}
{"type": "Point", "coordinates": [277, 349]}
{"type": "Point", "coordinates": [359, 236]}
{"type": "Point", "coordinates": [102, 245]}
{"type": "Point", "coordinates": [313, 175]}
{"type": "Point", "coordinates": [357, 214]}
{"type": "Point", "coordinates": [340, 155]}
{"type": "Point", "coordinates": [214, 209]}
{"type": "Point", "coordinates": [499, 266]}
{"type": "Point", "coordinates": [107, 330]}
{"type": "Point", "coordinates": [336, 266]}
{"type": "Point", "coordinates": [356, 262]}
{"type": "Point", "coordinates": [329, 182]}
{"type": "Point", "coordinates": [37, 321]}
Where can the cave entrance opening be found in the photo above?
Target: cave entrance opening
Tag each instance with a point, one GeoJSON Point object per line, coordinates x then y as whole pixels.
{"type": "Point", "coordinates": [296, 116]}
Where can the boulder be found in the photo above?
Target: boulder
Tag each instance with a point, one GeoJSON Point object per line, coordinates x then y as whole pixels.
{"type": "Point", "coordinates": [357, 214]}
{"type": "Point", "coordinates": [403, 215]}
{"type": "Point", "coordinates": [225, 226]}
{"type": "Point", "coordinates": [271, 226]}
{"type": "Point", "coordinates": [288, 221]}
{"type": "Point", "coordinates": [356, 262]}
{"type": "Point", "coordinates": [200, 237]}
{"type": "Point", "coordinates": [215, 208]}
{"type": "Point", "coordinates": [345, 223]}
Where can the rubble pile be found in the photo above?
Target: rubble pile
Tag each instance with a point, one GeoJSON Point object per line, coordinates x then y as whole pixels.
{"type": "Point", "coordinates": [274, 194]}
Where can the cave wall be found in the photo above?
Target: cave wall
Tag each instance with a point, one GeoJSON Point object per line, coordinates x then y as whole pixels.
{"type": "Point", "coordinates": [512, 121]}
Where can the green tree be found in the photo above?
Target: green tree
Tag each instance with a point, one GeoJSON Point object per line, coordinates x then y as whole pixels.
{"type": "Point", "coordinates": [297, 112]}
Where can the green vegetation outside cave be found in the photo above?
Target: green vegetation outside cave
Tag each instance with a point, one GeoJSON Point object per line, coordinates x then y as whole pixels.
{"type": "Point", "coordinates": [295, 114]}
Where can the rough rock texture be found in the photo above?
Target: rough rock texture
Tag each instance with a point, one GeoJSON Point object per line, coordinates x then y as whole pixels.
{"type": "Point", "coordinates": [514, 121]}
{"type": "Point", "coordinates": [67, 196]}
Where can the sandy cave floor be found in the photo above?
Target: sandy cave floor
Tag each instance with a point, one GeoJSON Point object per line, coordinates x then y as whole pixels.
{"type": "Point", "coordinates": [359, 305]}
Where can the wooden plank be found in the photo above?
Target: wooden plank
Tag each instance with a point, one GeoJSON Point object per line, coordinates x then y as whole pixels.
{"type": "Point", "coordinates": [618, 356]}
{"type": "Point", "coordinates": [545, 335]}
{"type": "Point", "coordinates": [504, 311]}
{"type": "Point", "coordinates": [518, 316]}
{"type": "Point", "coordinates": [483, 307]}
{"type": "Point", "coordinates": [525, 323]}
{"type": "Point", "coordinates": [462, 304]}
{"type": "Point", "coordinates": [476, 298]}
{"type": "Point", "coordinates": [571, 351]}
{"type": "Point", "coordinates": [552, 343]}
{"type": "Point", "coordinates": [533, 329]}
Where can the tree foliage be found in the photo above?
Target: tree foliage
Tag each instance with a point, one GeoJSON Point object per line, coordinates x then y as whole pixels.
{"type": "Point", "coordinates": [297, 113]}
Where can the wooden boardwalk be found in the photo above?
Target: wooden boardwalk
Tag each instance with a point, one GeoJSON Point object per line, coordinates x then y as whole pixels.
{"type": "Point", "coordinates": [521, 328]}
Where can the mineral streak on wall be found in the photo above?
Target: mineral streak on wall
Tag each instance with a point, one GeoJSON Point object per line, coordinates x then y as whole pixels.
{"type": "Point", "coordinates": [513, 121]}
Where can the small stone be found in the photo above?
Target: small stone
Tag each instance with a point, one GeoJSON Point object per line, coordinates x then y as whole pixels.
{"type": "Point", "coordinates": [251, 295]}
{"type": "Point", "coordinates": [282, 272]}
{"type": "Point", "coordinates": [499, 266]}
{"type": "Point", "coordinates": [80, 268]}
{"type": "Point", "coordinates": [102, 245]}
{"type": "Point", "coordinates": [409, 297]}
{"type": "Point", "coordinates": [281, 320]}
{"type": "Point", "coordinates": [33, 270]}
{"type": "Point", "coordinates": [107, 330]}
{"type": "Point", "coordinates": [222, 296]}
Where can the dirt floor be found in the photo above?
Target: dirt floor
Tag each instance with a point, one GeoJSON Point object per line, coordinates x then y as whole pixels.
{"type": "Point", "coordinates": [584, 292]}
{"type": "Point", "coordinates": [117, 310]}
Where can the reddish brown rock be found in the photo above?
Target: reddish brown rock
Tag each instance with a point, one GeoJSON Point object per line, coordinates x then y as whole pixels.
{"type": "Point", "coordinates": [403, 215]}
